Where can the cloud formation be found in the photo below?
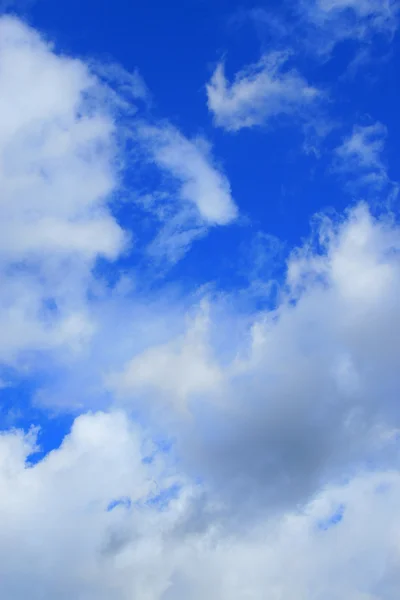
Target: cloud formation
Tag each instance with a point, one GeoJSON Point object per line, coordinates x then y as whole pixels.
{"type": "Point", "coordinates": [334, 21]}
{"type": "Point", "coordinates": [320, 367]}
{"type": "Point", "coordinates": [360, 158]}
{"type": "Point", "coordinates": [194, 194]}
{"type": "Point", "coordinates": [62, 134]}
{"type": "Point", "coordinates": [190, 164]}
{"type": "Point", "coordinates": [89, 521]}
{"type": "Point", "coordinates": [258, 94]}
{"type": "Point", "coordinates": [240, 452]}
{"type": "Point", "coordinates": [57, 149]}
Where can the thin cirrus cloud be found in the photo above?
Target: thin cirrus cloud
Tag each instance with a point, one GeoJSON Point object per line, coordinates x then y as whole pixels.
{"type": "Point", "coordinates": [52, 146]}
{"type": "Point", "coordinates": [104, 537]}
{"type": "Point", "coordinates": [320, 368]}
{"type": "Point", "coordinates": [265, 90]}
{"type": "Point", "coordinates": [258, 94]}
{"type": "Point", "coordinates": [314, 29]}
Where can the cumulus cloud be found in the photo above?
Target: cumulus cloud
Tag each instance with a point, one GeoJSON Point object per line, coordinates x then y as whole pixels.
{"type": "Point", "coordinates": [97, 519]}
{"type": "Point", "coordinates": [259, 93]}
{"type": "Point", "coordinates": [71, 513]}
{"type": "Point", "coordinates": [309, 393]}
{"type": "Point", "coordinates": [57, 175]}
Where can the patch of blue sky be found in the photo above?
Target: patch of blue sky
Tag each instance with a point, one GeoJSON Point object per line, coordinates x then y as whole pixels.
{"type": "Point", "coordinates": [159, 501]}
{"type": "Point", "coordinates": [334, 519]}
{"type": "Point", "coordinates": [162, 445]}
{"type": "Point", "coordinates": [162, 499]}
{"type": "Point", "coordinates": [124, 503]}
{"type": "Point", "coordinates": [19, 411]}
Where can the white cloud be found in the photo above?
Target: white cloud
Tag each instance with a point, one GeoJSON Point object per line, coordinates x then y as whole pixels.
{"type": "Point", "coordinates": [311, 386]}
{"type": "Point", "coordinates": [57, 152]}
{"type": "Point", "coordinates": [338, 20]}
{"type": "Point", "coordinates": [314, 28]}
{"type": "Point", "coordinates": [194, 193]}
{"type": "Point", "coordinates": [122, 85]}
{"type": "Point", "coordinates": [59, 540]}
{"type": "Point", "coordinates": [364, 8]}
{"type": "Point", "coordinates": [189, 163]}
{"type": "Point", "coordinates": [359, 157]}
{"type": "Point", "coordinates": [258, 93]}
{"type": "Point", "coordinates": [364, 147]}
{"type": "Point", "coordinates": [176, 371]}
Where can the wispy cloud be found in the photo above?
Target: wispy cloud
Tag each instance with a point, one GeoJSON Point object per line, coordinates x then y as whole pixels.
{"type": "Point", "coordinates": [338, 20]}
{"type": "Point", "coordinates": [196, 195]}
{"type": "Point", "coordinates": [190, 164]}
{"type": "Point", "coordinates": [314, 28]}
{"type": "Point", "coordinates": [259, 93]}
{"type": "Point", "coordinates": [320, 367]}
{"type": "Point", "coordinates": [60, 153]}
{"type": "Point", "coordinates": [360, 159]}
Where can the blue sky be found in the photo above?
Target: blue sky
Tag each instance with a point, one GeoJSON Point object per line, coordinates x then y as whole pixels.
{"type": "Point", "coordinates": [199, 275]}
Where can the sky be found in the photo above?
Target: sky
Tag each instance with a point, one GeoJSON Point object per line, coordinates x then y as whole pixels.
{"type": "Point", "coordinates": [199, 283]}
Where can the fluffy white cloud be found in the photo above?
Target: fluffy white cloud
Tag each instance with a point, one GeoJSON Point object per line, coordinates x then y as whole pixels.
{"type": "Point", "coordinates": [364, 147]}
{"type": "Point", "coordinates": [59, 510]}
{"type": "Point", "coordinates": [176, 371]}
{"type": "Point", "coordinates": [310, 393]}
{"type": "Point", "coordinates": [258, 93]}
{"type": "Point", "coordinates": [93, 521]}
{"type": "Point", "coordinates": [57, 153]}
